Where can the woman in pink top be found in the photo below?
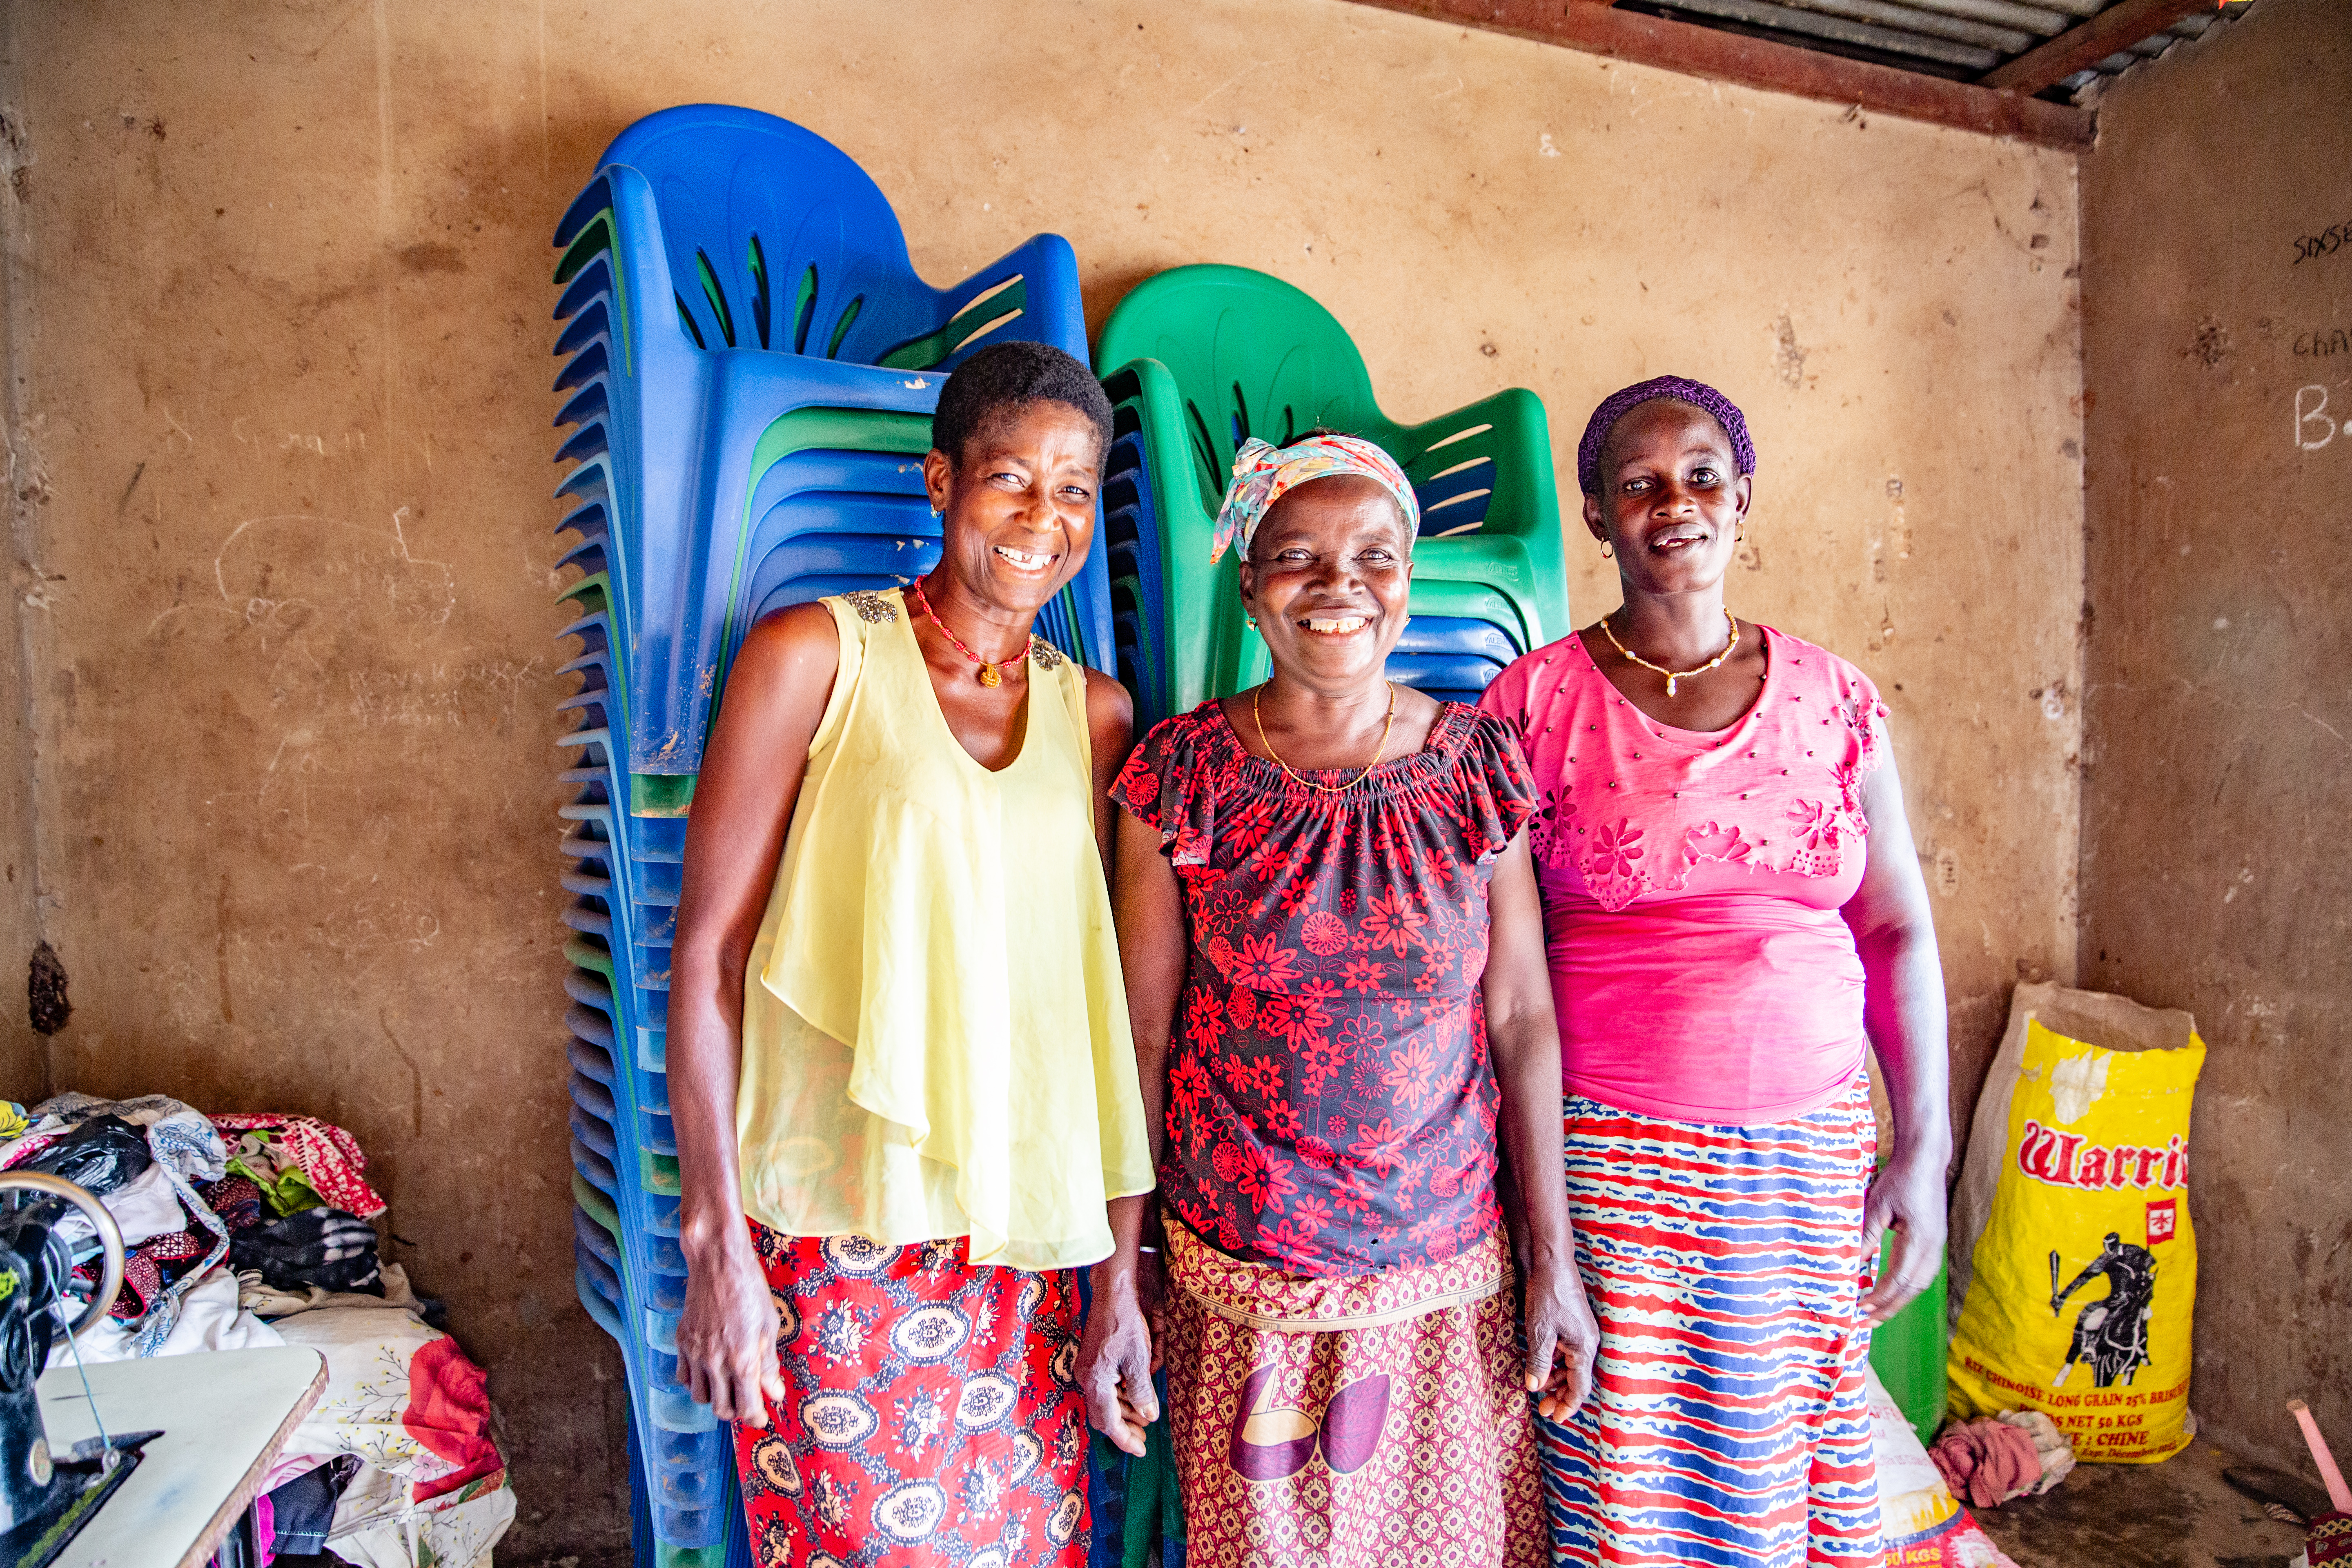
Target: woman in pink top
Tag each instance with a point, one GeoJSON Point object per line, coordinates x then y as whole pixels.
{"type": "Point", "coordinates": [1736, 917]}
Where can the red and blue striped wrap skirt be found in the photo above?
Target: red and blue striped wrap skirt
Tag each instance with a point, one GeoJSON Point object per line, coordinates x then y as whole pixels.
{"type": "Point", "coordinates": [1728, 1423]}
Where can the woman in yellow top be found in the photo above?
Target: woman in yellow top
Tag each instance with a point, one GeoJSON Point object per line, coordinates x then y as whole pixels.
{"type": "Point", "coordinates": [899, 1063]}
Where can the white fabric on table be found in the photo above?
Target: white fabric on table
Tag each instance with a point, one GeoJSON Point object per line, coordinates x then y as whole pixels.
{"type": "Point", "coordinates": [210, 1319]}
{"type": "Point", "coordinates": [144, 1209]}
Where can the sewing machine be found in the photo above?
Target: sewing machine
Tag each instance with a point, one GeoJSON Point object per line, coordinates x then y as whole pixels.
{"type": "Point", "coordinates": [46, 1497]}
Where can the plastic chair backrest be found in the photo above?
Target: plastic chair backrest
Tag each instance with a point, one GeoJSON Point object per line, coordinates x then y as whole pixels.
{"type": "Point", "coordinates": [1252, 355]}
{"type": "Point", "coordinates": [776, 240]}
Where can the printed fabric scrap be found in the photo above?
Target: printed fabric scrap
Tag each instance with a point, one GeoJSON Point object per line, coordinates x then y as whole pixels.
{"type": "Point", "coordinates": [1693, 1237]}
{"type": "Point", "coordinates": [1351, 1422]}
{"type": "Point", "coordinates": [431, 1492]}
{"type": "Point", "coordinates": [930, 1412]}
{"type": "Point", "coordinates": [159, 1272]}
{"type": "Point", "coordinates": [326, 1154]}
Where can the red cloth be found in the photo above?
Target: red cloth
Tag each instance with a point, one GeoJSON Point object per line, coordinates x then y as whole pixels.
{"type": "Point", "coordinates": [1986, 1463]}
{"type": "Point", "coordinates": [329, 1156]}
{"type": "Point", "coordinates": [449, 1413]}
{"type": "Point", "coordinates": [2330, 1540]}
{"type": "Point", "coordinates": [930, 1411]}
{"type": "Point", "coordinates": [1691, 883]}
{"type": "Point", "coordinates": [146, 1270]}
{"type": "Point", "coordinates": [1331, 1106]}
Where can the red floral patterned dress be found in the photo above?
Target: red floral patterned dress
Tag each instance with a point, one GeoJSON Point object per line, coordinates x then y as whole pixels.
{"type": "Point", "coordinates": [1330, 1105]}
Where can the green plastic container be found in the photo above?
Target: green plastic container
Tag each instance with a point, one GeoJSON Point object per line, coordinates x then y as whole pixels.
{"type": "Point", "coordinates": [1908, 1352]}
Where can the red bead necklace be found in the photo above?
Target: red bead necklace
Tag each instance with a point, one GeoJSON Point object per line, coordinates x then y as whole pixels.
{"type": "Point", "coordinates": [990, 674]}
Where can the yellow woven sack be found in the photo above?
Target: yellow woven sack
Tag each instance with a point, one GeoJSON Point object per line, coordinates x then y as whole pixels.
{"type": "Point", "coordinates": [2081, 1277]}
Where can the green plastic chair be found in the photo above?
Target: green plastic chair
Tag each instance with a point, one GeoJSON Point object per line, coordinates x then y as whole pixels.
{"type": "Point", "coordinates": [1199, 358]}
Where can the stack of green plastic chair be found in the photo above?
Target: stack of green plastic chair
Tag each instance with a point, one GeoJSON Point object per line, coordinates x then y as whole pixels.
{"type": "Point", "coordinates": [1197, 360]}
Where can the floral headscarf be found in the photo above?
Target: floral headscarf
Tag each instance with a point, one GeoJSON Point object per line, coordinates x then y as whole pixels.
{"type": "Point", "coordinates": [1263, 473]}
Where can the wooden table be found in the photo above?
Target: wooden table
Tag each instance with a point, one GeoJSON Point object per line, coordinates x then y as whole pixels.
{"type": "Point", "coordinates": [224, 1415]}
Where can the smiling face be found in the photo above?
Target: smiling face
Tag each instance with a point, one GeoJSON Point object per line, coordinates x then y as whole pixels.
{"type": "Point", "coordinates": [1329, 574]}
{"type": "Point", "coordinates": [1671, 498]}
{"type": "Point", "coordinates": [1017, 504]}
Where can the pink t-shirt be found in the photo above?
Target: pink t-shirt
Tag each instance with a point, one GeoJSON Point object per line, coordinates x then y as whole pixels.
{"type": "Point", "coordinates": [1691, 883]}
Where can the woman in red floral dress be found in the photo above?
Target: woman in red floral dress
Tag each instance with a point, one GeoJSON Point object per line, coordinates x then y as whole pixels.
{"type": "Point", "coordinates": [1335, 969]}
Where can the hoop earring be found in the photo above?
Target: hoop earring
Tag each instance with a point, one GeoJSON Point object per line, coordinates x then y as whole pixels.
{"type": "Point", "coordinates": [1253, 622]}
{"type": "Point", "coordinates": [1607, 553]}
{"type": "Point", "coordinates": [1738, 531]}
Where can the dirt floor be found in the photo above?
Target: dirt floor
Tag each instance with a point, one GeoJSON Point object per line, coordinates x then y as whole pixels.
{"type": "Point", "coordinates": [2179, 1514]}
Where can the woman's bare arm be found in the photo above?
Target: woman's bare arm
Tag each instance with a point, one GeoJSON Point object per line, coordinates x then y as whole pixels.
{"type": "Point", "coordinates": [1115, 1362]}
{"type": "Point", "coordinates": [751, 772]}
{"type": "Point", "coordinates": [1523, 1037]}
{"type": "Point", "coordinates": [1110, 731]}
{"type": "Point", "coordinates": [1903, 1012]}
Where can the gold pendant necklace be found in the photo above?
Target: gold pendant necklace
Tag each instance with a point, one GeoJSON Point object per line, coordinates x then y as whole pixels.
{"type": "Point", "coordinates": [1257, 717]}
{"type": "Point", "coordinates": [991, 675]}
{"type": "Point", "coordinates": [1675, 675]}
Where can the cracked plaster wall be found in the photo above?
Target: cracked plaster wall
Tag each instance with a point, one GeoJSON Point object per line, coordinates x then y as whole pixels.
{"type": "Point", "coordinates": [291, 686]}
{"type": "Point", "coordinates": [2218, 367]}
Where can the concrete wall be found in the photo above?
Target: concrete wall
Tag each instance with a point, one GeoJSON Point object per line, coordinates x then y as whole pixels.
{"type": "Point", "coordinates": [288, 585]}
{"type": "Point", "coordinates": [2219, 713]}
{"type": "Point", "coordinates": [23, 1068]}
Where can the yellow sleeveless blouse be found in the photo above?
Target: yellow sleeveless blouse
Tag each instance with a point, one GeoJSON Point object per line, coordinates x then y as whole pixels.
{"type": "Point", "coordinates": [935, 1031]}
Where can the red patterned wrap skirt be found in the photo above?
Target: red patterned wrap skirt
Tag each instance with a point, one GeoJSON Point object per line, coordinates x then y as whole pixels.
{"type": "Point", "coordinates": [930, 1412]}
{"type": "Point", "coordinates": [1361, 1421]}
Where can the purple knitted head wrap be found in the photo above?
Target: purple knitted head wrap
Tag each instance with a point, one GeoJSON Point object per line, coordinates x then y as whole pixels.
{"type": "Point", "coordinates": [1678, 389]}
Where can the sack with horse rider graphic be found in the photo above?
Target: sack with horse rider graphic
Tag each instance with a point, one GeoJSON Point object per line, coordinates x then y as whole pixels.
{"type": "Point", "coordinates": [2073, 1263]}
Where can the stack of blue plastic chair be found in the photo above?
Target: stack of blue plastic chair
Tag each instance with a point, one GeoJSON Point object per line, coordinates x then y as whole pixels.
{"type": "Point", "coordinates": [754, 365]}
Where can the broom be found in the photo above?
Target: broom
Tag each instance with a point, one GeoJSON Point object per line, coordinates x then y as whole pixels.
{"type": "Point", "coordinates": [2331, 1533]}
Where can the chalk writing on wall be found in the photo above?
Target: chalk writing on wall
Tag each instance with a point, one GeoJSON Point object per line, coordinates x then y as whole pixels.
{"type": "Point", "coordinates": [2314, 427]}
{"type": "Point", "coordinates": [2326, 242]}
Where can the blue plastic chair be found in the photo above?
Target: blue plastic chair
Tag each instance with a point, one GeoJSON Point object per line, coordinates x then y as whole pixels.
{"type": "Point", "coordinates": [750, 369]}
{"type": "Point", "coordinates": [726, 269]}
{"type": "Point", "coordinates": [629, 1272]}
{"type": "Point", "coordinates": [1132, 536]}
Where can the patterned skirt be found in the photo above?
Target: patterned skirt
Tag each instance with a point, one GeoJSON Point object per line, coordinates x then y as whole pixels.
{"type": "Point", "coordinates": [1728, 1423]}
{"type": "Point", "coordinates": [930, 1412]}
{"type": "Point", "coordinates": [1359, 1422]}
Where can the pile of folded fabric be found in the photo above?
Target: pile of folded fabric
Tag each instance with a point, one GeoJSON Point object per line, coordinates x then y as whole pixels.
{"type": "Point", "coordinates": [2019, 1453]}
{"type": "Point", "coordinates": [243, 1231]}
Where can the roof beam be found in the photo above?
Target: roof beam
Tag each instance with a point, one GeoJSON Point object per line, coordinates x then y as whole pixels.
{"type": "Point", "coordinates": [2119, 26]}
{"type": "Point", "coordinates": [1597, 28]}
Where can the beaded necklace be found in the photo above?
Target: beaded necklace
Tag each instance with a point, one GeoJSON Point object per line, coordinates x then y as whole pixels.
{"type": "Point", "coordinates": [991, 674]}
{"type": "Point", "coordinates": [1675, 675]}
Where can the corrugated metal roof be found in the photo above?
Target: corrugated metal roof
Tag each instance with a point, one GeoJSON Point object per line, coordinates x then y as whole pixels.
{"type": "Point", "coordinates": [1958, 39]}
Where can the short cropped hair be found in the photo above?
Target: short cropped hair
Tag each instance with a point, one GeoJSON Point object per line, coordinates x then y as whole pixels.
{"type": "Point", "coordinates": [1005, 378]}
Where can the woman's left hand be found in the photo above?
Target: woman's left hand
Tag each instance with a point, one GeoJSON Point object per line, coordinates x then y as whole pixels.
{"type": "Point", "coordinates": [1907, 1194]}
{"type": "Point", "coordinates": [1121, 1350]}
{"type": "Point", "coordinates": [1562, 1339]}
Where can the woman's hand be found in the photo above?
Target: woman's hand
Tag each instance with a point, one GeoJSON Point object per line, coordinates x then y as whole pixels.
{"type": "Point", "coordinates": [1903, 1009]}
{"type": "Point", "coordinates": [1562, 1339]}
{"type": "Point", "coordinates": [1121, 1350]}
{"type": "Point", "coordinates": [726, 1334]}
{"type": "Point", "coordinates": [1907, 1194]}
{"type": "Point", "coordinates": [750, 779]}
